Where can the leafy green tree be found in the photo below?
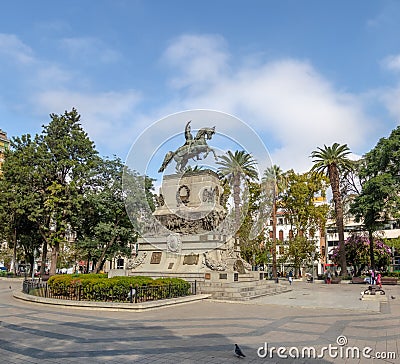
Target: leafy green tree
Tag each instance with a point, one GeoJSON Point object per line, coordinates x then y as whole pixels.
{"type": "Point", "coordinates": [274, 179]}
{"type": "Point", "coordinates": [334, 161]}
{"type": "Point", "coordinates": [18, 195]}
{"type": "Point", "coordinates": [304, 215]}
{"type": "Point", "coordinates": [379, 200]}
{"type": "Point", "coordinates": [357, 252]}
{"type": "Point", "coordinates": [300, 251]}
{"type": "Point", "coordinates": [252, 247]}
{"type": "Point", "coordinates": [104, 227]}
{"type": "Point", "coordinates": [65, 155]}
{"type": "Point", "coordinates": [43, 180]}
{"type": "Point", "coordinates": [238, 168]}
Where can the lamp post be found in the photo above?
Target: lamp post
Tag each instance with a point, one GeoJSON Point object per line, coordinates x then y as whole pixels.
{"type": "Point", "coordinates": [313, 256]}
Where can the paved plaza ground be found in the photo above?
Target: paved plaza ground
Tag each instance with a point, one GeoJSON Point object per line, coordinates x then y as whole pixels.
{"type": "Point", "coordinates": [310, 316]}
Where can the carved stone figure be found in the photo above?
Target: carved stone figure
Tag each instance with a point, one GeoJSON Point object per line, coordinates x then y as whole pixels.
{"type": "Point", "coordinates": [133, 263]}
{"type": "Point", "coordinates": [213, 264]}
{"type": "Point", "coordinates": [174, 243]}
{"type": "Point", "coordinates": [209, 194]}
{"type": "Point", "coordinates": [193, 147]}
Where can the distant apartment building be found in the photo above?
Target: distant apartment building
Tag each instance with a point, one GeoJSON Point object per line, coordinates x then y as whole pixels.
{"type": "Point", "coordinates": [389, 230]}
{"type": "Point", "coordinates": [4, 145]}
{"type": "Point", "coordinates": [284, 233]}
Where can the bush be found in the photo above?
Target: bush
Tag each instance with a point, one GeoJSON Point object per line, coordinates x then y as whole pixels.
{"type": "Point", "coordinates": [392, 274]}
{"type": "Point", "coordinates": [97, 287]}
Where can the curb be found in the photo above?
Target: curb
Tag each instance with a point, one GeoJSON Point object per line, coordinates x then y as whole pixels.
{"type": "Point", "coordinates": [111, 306]}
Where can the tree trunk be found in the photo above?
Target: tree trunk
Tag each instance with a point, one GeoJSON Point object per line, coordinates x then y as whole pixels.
{"type": "Point", "coordinates": [54, 257]}
{"type": "Point", "coordinates": [334, 179]}
{"type": "Point", "coordinates": [103, 255]}
{"type": "Point", "coordinates": [15, 252]}
{"type": "Point", "coordinates": [31, 263]}
{"type": "Point", "coordinates": [274, 269]}
{"type": "Point", "coordinates": [44, 258]}
{"type": "Point", "coordinates": [88, 263]}
{"type": "Point", "coordinates": [371, 249]}
{"type": "Point", "coordinates": [236, 200]}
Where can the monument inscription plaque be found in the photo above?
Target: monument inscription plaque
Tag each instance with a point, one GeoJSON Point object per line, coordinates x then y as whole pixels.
{"type": "Point", "coordinates": [155, 258]}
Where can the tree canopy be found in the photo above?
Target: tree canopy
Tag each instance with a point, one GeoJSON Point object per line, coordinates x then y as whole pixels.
{"type": "Point", "coordinates": [379, 200]}
{"type": "Point", "coordinates": [55, 187]}
{"type": "Point", "coordinates": [334, 161]}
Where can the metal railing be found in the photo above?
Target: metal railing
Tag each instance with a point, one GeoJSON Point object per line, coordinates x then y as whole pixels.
{"type": "Point", "coordinates": [116, 294]}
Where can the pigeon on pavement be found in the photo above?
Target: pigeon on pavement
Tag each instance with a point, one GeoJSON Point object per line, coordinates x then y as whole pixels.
{"type": "Point", "coordinates": [392, 297]}
{"type": "Point", "coordinates": [238, 352]}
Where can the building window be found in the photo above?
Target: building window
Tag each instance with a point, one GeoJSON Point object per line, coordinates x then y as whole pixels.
{"type": "Point", "coordinates": [120, 263]}
{"type": "Point", "coordinates": [290, 234]}
{"type": "Point", "coordinates": [271, 235]}
{"type": "Point", "coordinates": [281, 235]}
{"type": "Point", "coordinates": [281, 250]}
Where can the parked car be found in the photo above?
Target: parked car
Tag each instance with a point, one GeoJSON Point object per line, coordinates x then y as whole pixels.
{"type": "Point", "coordinates": [3, 269]}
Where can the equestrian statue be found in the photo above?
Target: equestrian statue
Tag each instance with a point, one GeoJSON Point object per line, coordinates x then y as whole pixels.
{"type": "Point", "coordinates": [193, 147]}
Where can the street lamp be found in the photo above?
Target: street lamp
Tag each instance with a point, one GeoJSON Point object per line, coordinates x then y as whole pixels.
{"type": "Point", "coordinates": [313, 256]}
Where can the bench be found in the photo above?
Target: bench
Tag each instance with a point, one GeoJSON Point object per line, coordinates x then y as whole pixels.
{"type": "Point", "coordinates": [358, 280]}
{"type": "Point", "coordinates": [389, 280]}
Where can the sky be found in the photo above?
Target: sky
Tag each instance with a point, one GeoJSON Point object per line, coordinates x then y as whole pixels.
{"type": "Point", "coordinates": [302, 74]}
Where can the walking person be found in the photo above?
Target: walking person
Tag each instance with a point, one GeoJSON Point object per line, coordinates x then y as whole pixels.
{"type": "Point", "coordinates": [379, 280]}
{"type": "Point", "coordinates": [328, 277]}
{"type": "Point", "coordinates": [290, 277]}
{"type": "Point", "coordinates": [372, 276]}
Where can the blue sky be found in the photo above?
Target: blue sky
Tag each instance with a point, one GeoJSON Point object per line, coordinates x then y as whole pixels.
{"type": "Point", "coordinates": [301, 73]}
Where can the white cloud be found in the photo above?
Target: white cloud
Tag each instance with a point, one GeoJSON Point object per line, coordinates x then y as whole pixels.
{"type": "Point", "coordinates": [199, 58]}
{"type": "Point", "coordinates": [107, 117]}
{"type": "Point", "coordinates": [392, 62]}
{"type": "Point", "coordinates": [89, 50]}
{"type": "Point", "coordinates": [287, 101]}
{"type": "Point", "coordinates": [390, 98]}
{"type": "Point", "coordinates": [16, 50]}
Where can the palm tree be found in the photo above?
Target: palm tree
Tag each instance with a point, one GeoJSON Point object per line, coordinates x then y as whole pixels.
{"type": "Point", "coordinates": [235, 167]}
{"type": "Point", "coordinates": [274, 179]}
{"type": "Point", "coordinates": [333, 161]}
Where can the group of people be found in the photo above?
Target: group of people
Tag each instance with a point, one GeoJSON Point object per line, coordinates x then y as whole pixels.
{"type": "Point", "coordinates": [328, 276]}
{"type": "Point", "coordinates": [376, 278]}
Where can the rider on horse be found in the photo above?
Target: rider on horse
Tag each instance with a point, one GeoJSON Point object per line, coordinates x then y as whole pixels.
{"type": "Point", "coordinates": [193, 147]}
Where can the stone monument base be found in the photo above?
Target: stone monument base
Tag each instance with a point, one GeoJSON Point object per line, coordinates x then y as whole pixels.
{"type": "Point", "coordinates": [219, 271]}
{"type": "Point", "coordinates": [190, 257]}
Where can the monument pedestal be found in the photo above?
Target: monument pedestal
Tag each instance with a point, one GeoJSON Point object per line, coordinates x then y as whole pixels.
{"type": "Point", "coordinates": [190, 236]}
{"type": "Point", "coordinates": [190, 257]}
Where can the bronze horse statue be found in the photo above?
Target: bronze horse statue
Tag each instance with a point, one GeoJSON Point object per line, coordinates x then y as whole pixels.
{"type": "Point", "coordinates": [194, 147]}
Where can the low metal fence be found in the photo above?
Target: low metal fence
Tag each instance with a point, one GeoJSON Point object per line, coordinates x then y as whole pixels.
{"type": "Point", "coordinates": [117, 294]}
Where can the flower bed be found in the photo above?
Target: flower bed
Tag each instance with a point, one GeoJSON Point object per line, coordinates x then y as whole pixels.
{"type": "Point", "coordinates": [89, 287]}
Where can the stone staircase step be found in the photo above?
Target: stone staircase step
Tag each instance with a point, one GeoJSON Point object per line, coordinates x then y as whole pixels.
{"type": "Point", "coordinates": [242, 290]}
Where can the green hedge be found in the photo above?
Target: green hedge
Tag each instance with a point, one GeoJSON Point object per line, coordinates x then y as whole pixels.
{"type": "Point", "coordinates": [392, 274]}
{"type": "Point", "coordinates": [94, 287]}
{"type": "Point", "coordinates": [7, 274]}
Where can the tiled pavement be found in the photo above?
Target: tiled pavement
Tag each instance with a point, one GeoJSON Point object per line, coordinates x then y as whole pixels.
{"type": "Point", "coordinates": [311, 315]}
